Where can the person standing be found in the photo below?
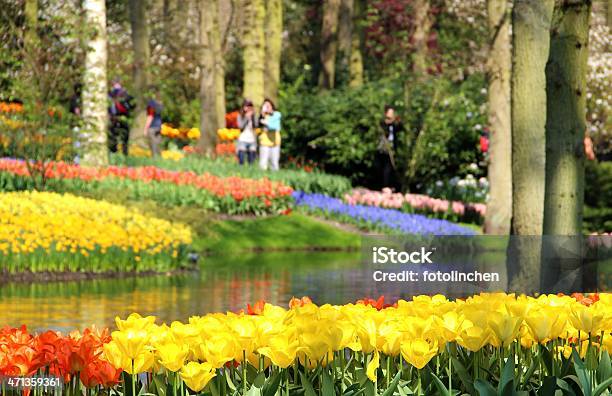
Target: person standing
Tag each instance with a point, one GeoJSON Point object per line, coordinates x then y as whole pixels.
{"type": "Point", "coordinates": [391, 129]}
{"type": "Point", "coordinates": [269, 139]}
{"type": "Point", "coordinates": [119, 112]}
{"type": "Point", "coordinates": [247, 142]}
{"type": "Point", "coordinates": [153, 124]}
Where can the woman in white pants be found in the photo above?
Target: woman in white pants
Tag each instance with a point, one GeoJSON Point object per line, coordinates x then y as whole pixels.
{"type": "Point", "coordinates": [269, 139]}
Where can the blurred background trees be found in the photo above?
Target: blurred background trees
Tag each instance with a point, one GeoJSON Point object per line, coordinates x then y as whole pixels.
{"type": "Point", "coordinates": [332, 65]}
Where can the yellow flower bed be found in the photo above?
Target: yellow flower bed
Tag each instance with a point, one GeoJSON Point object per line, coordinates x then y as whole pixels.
{"type": "Point", "coordinates": [50, 224]}
{"type": "Point", "coordinates": [311, 336]}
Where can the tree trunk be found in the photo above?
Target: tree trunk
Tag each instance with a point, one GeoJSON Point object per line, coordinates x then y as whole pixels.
{"type": "Point", "coordinates": [95, 114]}
{"type": "Point", "coordinates": [345, 30]}
{"type": "Point", "coordinates": [329, 43]}
{"type": "Point", "coordinates": [531, 38]}
{"type": "Point", "coordinates": [31, 17]}
{"type": "Point", "coordinates": [356, 59]}
{"type": "Point", "coordinates": [254, 52]}
{"type": "Point", "coordinates": [422, 23]}
{"type": "Point", "coordinates": [274, 43]}
{"type": "Point", "coordinates": [140, 67]}
{"type": "Point", "coordinates": [566, 118]}
{"type": "Point", "coordinates": [219, 68]}
{"type": "Point", "coordinates": [499, 206]}
{"type": "Point", "coordinates": [210, 48]}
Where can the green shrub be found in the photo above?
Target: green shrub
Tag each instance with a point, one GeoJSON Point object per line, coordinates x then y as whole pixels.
{"type": "Point", "coordinates": [339, 129]}
{"type": "Point", "coordinates": [598, 184]}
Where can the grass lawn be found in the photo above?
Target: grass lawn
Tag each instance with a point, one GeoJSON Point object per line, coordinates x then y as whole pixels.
{"type": "Point", "coordinates": [223, 234]}
{"type": "Point", "coordinates": [293, 232]}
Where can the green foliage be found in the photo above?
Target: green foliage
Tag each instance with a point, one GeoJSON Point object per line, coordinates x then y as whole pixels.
{"type": "Point", "coordinates": [337, 129]}
{"type": "Point", "coordinates": [598, 186]}
{"type": "Point", "coordinates": [598, 197]}
{"type": "Point", "coordinates": [340, 129]}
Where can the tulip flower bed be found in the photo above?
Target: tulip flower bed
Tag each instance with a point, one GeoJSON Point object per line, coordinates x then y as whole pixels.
{"type": "Point", "coordinates": [311, 182]}
{"type": "Point", "coordinates": [489, 344]}
{"type": "Point", "coordinates": [376, 219]}
{"type": "Point", "coordinates": [231, 195]}
{"type": "Point", "coordinates": [418, 203]}
{"type": "Point", "coordinates": [42, 231]}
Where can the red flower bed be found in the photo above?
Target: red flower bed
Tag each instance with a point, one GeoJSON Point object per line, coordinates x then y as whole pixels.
{"type": "Point", "coordinates": [236, 187]}
{"type": "Point", "coordinates": [24, 354]}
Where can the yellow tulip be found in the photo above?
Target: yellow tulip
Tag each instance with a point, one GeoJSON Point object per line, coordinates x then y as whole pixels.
{"type": "Point", "coordinates": [504, 328]}
{"type": "Point", "coordinates": [473, 338]}
{"type": "Point", "coordinates": [221, 349]}
{"type": "Point", "coordinates": [142, 363]}
{"type": "Point", "coordinates": [282, 350]}
{"type": "Point", "coordinates": [131, 342]}
{"type": "Point", "coordinates": [135, 322]}
{"type": "Point", "coordinates": [587, 319]}
{"type": "Point", "coordinates": [197, 375]}
{"type": "Point", "coordinates": [172, 356]}
{"type": "Point", "coordinates": [372, 368]}
{"type": "Point", "coordinates": [418, 352]}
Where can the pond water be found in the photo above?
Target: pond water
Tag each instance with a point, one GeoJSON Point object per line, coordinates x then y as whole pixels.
{"type": "Point", "coordinates": [222, 284]}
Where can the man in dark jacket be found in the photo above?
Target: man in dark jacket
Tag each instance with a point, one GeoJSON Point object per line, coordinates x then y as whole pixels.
{"type": "Point", "coordinates": [391, 129]}
{"type": "Point", "coordinates": [119, 112]}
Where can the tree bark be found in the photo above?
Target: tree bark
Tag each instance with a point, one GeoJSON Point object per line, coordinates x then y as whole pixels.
{"type": "Point", "coordinates": [94, 97]}
{"type": "Point", "coordinates": [566, 118]}
{"type": "Point", "coordinates": [499, 206]}
{"type": "Point", "coordinates": [345, 30]}
{"type": "Point", "coordinates": [274, 43]}
{"type": "Point", "coordinates": [531, 39]}
{"type": "Point", "coordinates": [254, 50]}
{"type": "Point", "coordinates": [140, 67]}
{"type": "Point", "coordinates": [422, 23]}
{"type": "Point", "coordinates": [210, 51]}
{"type": "Point", "coordinates": [31, 17]}
{"type": "Point", "coordinates": [356, 58]}
{"type": "Point", "coordinates": [329, 43]}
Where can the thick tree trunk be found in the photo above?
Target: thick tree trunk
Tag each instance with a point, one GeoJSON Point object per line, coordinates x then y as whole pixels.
{"type": "Point", "coordinates": [345, 30]}
{"type": "Point", "coordinates": [499, 206]}
{"type": "Point", "coordinates": [274, 43]}
{"type": "Point", "coordinates": [329, 43]}
{"type": "Point", "coordinates": [95, 114]}
{"type": "Point", "coordinates": [422, 23]}
{"type": "Point", "coordinates": [254, 52]}
{"type": "Point", "coordinates": [356, 58]}
{"type": "Point", "coordinates": [531, 38]}
{"type": "Point", "coordinates": [565, 129]}
{"type": "Point", "coordinates": [210, 48]}
{"type": "Point", "coordinates": [566, 118]}
{"type": "Point", "coordinates": [140, 72]}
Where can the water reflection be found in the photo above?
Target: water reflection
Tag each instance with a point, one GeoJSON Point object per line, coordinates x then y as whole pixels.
{"type": "Point", "coordinates": [222, 284]}
{"type": "Point", "coordinates": [228, 284]}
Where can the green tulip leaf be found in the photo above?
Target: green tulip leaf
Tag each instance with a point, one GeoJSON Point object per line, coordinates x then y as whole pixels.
{"type": "Point", "coordinates": [392, 385]}
{"type": "Point", "coordinates": [599, 390]}
{"type": "Point", "coordinates": [582, 374]}
{"type": "Point", "coordinates": [484, 388]}
{"type": "Point", "coordinates": [307, 385]}
{"type": "Point", "coordinates": [604, 371]}
{"type": "Point", "coordinates": [271, 385]}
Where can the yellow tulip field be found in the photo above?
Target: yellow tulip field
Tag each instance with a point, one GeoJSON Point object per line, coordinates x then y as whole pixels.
{"type": "Point", "coordinates": [488, 344]}
{"type": "Point", "coordinates": [54, 232]}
